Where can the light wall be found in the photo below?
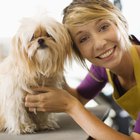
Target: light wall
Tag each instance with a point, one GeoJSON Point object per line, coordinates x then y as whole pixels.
{"type": "Point", "coordinates": [131, 10]}
{"type": "Point", "coordinates": [11, 11]}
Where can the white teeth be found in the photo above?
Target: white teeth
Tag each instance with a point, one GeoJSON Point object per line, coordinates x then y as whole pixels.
{"type": "Point", "coordinates": [106, 54]}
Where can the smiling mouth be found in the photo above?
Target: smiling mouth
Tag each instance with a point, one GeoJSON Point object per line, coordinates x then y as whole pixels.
{"type": "Point", "coordinates": [107, 53]}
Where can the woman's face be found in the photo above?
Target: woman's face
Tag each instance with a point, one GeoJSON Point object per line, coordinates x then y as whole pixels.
{"type": "Point", "coordinates": [100, 42]}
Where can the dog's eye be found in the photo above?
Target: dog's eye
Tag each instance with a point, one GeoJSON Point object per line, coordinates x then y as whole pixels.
{"type": "Point", "coordinates": [48, 35]}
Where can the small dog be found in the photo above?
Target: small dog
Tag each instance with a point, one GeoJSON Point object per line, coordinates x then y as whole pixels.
{"type": "Point", "coordinates": [39, 51]}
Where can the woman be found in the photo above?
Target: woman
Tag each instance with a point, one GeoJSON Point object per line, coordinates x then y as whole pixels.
{"type": "Point", "coordinates": [100, 34]}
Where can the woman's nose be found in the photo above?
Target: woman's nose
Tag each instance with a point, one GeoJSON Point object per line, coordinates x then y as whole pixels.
{"type": "Point", "coordinates": [99, 42]}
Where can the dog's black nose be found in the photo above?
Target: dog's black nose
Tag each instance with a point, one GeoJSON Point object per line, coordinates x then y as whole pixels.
{"type": "Point", "coordinates": [41, 41]}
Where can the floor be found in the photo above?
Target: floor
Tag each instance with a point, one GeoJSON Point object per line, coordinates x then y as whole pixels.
{"type": "Point", "coordinates": [68, 130]}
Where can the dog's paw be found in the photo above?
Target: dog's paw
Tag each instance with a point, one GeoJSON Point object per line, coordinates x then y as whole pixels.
{"type": "Point", "coordinates": [14, 131]}
{"type": "Point", "coordinates": [52, 125]}
{"type": "Point", "coordinates": [28, 128]}
{"type": "Point", "coordinates": [23, 129]}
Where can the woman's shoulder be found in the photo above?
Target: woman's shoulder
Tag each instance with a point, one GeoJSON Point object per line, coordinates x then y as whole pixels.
{"type": "Point", "coordinates": [99, 72]}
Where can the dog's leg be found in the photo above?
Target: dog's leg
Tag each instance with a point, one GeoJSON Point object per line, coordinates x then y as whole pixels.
{"type": "Point", "coordinates": [17, 121]}
{"type": "Point", "coordinates": [46, 121]}
{"type": "Point", "coordinates": [2, 122]}
{"type": "Point", "coordinates": [16, 117]}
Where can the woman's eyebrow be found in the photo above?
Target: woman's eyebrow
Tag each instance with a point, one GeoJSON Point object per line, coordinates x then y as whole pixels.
{"type": "Point", "coordinates": [78, 33]}
{"type": "Point", "coordinates": [96, 23]}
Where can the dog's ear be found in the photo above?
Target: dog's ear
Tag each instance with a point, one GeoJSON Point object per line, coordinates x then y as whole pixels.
{"type": "Point", "coordinates": [68, 45]}
{"type": "Point", "coordinates": [20, 55]}
{"type": "Point", "coordinates": [18, 50]}
{"type": "Point", "coordinates": [16, 43]}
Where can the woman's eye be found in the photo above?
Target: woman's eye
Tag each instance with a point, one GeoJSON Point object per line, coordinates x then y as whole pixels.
{"type": "Point", "coordinates": [104, 27]}
{"type": "Point", "coordinates": [83, 39]}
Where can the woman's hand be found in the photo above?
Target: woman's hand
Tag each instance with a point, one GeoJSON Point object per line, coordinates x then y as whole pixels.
{"type": "Point", "coordinates": [50, 100]}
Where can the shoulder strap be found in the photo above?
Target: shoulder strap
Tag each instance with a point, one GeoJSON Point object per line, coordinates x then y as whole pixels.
{"type": "Point", "coordinates": [136, 62]}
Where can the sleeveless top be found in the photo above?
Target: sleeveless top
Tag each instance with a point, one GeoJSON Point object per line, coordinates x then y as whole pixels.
{"type": "Point", "coordinates": [130, 100]}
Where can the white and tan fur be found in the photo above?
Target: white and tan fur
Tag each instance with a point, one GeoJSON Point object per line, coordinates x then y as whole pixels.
{"type": "Point", "coordinates": [39, 50]}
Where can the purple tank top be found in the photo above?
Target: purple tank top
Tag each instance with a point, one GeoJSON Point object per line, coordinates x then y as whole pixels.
{"type": "Point", "coordinates": [137, 125]}
{"type": "Point", "coordinates": [90, 87]}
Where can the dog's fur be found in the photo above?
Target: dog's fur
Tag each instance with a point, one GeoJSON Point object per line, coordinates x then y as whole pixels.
{"type": "Point", "coordinates": [40, 48]}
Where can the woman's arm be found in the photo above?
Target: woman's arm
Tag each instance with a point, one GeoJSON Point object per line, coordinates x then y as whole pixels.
{"type": "Point", "coordinates": [95, 127]}
{"type": "Point", "coordinates": [57, 100]}
{"type": "Point", "coordinates": [52, 99]}
{"type": "Point", "coordinates": [74, 93]}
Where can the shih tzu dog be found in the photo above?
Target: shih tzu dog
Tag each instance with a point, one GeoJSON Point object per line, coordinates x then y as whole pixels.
{"type": "Point", "coordinates": [39, 51]}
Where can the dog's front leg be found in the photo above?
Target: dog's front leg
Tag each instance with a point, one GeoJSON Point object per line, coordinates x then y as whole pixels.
{"type": "Point", "coordinates": [17, 120]}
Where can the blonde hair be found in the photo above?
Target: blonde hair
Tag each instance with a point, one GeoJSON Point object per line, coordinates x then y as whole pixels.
{"type": "Point", "coordinates": [81, 12]}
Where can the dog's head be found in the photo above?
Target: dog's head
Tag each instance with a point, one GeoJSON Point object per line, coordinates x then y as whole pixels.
{"type": "Point", "coordinates": [41, 44]}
